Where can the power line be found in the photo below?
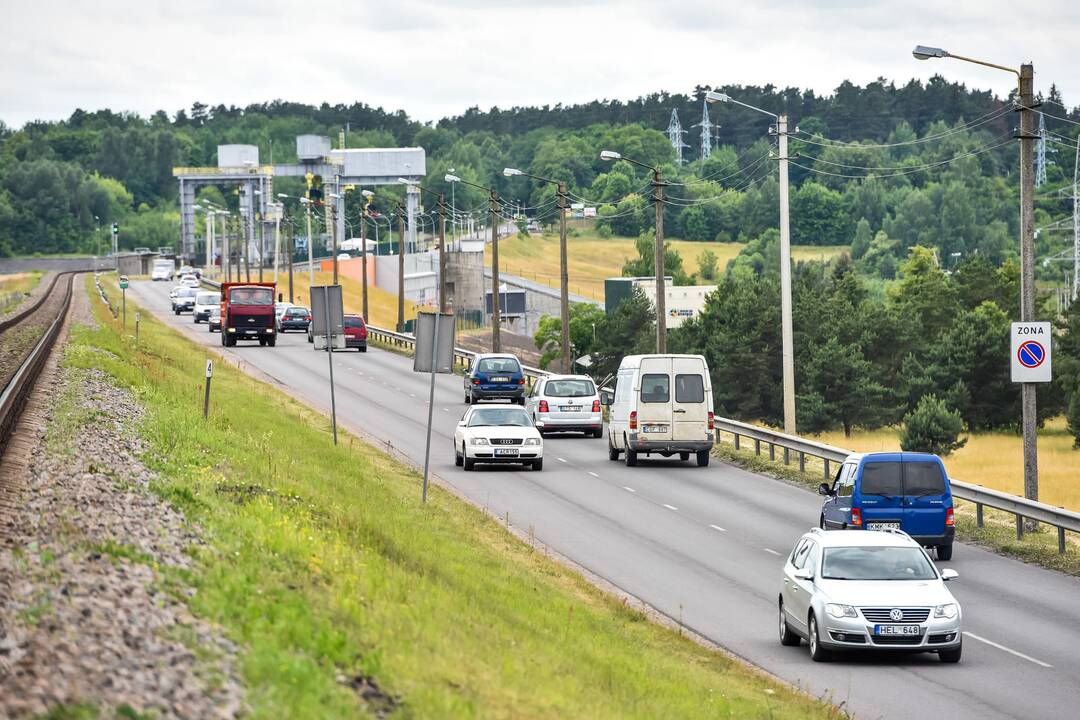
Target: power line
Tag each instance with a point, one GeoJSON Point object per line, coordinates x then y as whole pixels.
{"type": "Point", "coordinates": [906, 172]}
{"type": "Point", "coordinates": [829, 142]}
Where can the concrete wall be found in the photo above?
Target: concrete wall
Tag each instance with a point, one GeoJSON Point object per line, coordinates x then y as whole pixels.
{"type": "Point", "coordinates": [132, 264]}
{"type": "Point", "coordinates": [17, 264]}
{"type": "Point", "coordinates": [465, 279]}
{"type": "Point", "coordinates": [421, 273]}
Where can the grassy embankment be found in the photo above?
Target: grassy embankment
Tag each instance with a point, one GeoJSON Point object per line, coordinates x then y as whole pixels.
{"type": "Point", "coordinates": [592, 259]}
{"type": "Point", "coordinates": [13, 288]}
{"type": "Point", "coordinates": [338, 583]}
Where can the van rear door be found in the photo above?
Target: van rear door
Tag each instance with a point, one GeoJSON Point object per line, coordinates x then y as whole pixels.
{"type": "Point", "coordinates": [926, 497]}
{"type": "Point", "coordinates": [689, 409]}
{"type": "Point", "coordinates": [654, 399]}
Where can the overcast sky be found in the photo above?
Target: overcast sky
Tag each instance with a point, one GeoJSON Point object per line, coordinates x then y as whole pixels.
{"type": "Point", "coordinates": [437, 58]}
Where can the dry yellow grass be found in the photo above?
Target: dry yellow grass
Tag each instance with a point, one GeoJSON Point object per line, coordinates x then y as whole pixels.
{"type": "Point", "coordinates": [382, 305]}
{"type": "Point", "coordinates": [593, 259]}
{"type": "Point", "coordinates": [995, 460]}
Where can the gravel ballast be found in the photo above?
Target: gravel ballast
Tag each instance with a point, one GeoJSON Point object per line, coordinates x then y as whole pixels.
{"type": "Point", "coordinates": [92, 606]}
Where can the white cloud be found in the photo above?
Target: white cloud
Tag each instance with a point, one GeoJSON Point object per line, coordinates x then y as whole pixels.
{"type": "Point", "coordinates": [437, 58]}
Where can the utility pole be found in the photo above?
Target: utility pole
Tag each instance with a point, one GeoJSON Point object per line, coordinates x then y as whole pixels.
{"type": "Point", "coordinates": [496, 341]}
{"type": "Point", "coordinates": [661, 291]}
{"type": "Point", "coordinates": [1027, 274]}
{"type": "Point", "coordinates": [564, 280]}
{"type": "Point", "coordinates": [333, 235]}
{"type": "Point", "coordinates": [247, 249]}
{"type": "Point", "coordinates": [292, 250]}
{"type": "Point", "coordinates": [442, 253]}
{"type": "Point", "coordinates": [787, 334]}
{"type": "Point", "coordinates": [310, 245]}
{"type": "Point", "coordinates": [363, 259]}
{"type": "Point", "coordinates": [401, 269]}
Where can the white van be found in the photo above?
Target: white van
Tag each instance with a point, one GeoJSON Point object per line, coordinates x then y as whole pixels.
{"type": "Point", "coordinates": [663, 405]}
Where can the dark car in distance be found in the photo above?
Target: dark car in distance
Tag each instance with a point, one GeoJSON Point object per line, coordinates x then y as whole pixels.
{"type": "Point", "coordinates": [294, 318]}
{"type": "Point", "coordinates": [495, 377]}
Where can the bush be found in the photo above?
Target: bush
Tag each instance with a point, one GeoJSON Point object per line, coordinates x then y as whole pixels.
{"type": "Point", "coordinates": [932, 427]}
{"type": "Point", "coordinates": [1073, 417]}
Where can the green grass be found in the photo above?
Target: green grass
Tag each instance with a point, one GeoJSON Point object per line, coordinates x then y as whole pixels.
{"type": "Point", "coordinates": [351, 597]}
{"type": "Point", "coordinates": [14, 287]}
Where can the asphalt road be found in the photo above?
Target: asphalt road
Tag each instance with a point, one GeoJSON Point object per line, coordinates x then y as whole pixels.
{"type": "Point", "coordinates": [706, 546]}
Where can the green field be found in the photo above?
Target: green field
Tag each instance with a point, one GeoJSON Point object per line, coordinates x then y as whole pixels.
{"type": "Point", "coordinates": [340, 585]}
{"type": "Point", "coordinates": [592, 259]}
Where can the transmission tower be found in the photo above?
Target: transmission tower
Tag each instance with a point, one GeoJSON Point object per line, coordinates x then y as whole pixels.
{"type": "Point", "coordinates": [675, 134]}
{"type": "Point", "coordinates": [706, 131]}
{"type": "Point", "coordinates": [1040, 154]}
{"type": "Point", "coordinates": [1076, 222]}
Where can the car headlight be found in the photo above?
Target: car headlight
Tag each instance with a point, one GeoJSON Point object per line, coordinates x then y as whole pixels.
{"type": "Point", "coordinates": [478, 441]}
{"type": "Point", "coordinates": [840, 611]}
{"type": "Point", "coordinates": [532, 441]}
{"type": "Point", "coordinates": [947, 610]}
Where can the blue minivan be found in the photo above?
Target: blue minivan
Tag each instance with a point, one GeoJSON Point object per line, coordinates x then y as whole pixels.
{"type": "Point", "coordinates": [903, 490]}
{"type": "Point", "coordinates": [495, 377]}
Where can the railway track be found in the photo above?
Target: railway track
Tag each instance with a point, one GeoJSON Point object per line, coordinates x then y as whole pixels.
{"type": "Point", "coordinates": [26, 339]}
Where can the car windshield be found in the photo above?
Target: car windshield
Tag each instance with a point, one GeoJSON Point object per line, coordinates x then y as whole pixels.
{"type": "Point", "coordinates": [569, 388]}
{"type": "Point", "coordinates": [498, 365]}
{"type": "Point", "coordinates": [876, 563]}
{"type": "Point", "coordinates": [251, 296]}
{"type": "Point", "coordinates": [207, 298]}
{"type": "Point", "coordinates": [486, 417]}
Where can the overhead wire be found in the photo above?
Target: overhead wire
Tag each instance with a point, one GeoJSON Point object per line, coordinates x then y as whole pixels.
{"type": "Point", "coordinates": [910, 171]}
{"type": "Point", "coordinates": [829, 142]}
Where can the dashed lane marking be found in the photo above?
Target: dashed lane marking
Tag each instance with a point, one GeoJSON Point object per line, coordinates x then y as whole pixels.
{"type": "Point", "coordinates": [1021, 655]}
{"type": "Point", "coordinates": [770, 550]}
{"type": "Point", "coordinates": [670, 507]}
{"type": "Point", "coordinates": [593, 474]}
{"type": "Point", "coordinates": [561, 459]}
{"type": "Point", "coordinates": [629, 489]}
{"type": "Point", "coordinates": [718, 528]}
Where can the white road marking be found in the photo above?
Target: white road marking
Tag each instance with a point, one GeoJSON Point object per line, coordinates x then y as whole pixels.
{"type": "Point", "coordinates": [561, 459]}
{"type": "Point", "coordinates": [991, 643]}
{"type": "Point", "coordinates": [770, 550]}
{"type": "Point", "coordinates": [593, 474]}
{"type": "Point", "coordinates": [446, 409]}
{"type": "Point", "coordinates": [412, 394]}
{"type": "Point", "coordinates": [629, 489]}
{"type": "Point", "coordinates": [670, 507]}
{"type": "Point", "coordinates": [717, 527]}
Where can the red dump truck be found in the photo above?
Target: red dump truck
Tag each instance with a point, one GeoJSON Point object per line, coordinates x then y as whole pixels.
{"type": "Point", "coordinates": [247, 313]}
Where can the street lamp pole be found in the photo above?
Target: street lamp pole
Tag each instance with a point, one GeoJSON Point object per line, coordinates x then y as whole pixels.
{"type": "Point", "coordinates": [368, 197]}
{"type": "Point", "coordinates": [402, 214]}
{"type": "Point", "coordinates": [787, 334]}
{"type": "Point", "coordinates": [441, 204]}
{"type": "Point", "coordinates": [661, 289]}
{"type": "Point", "coordinates": [564, 281]}
{"type": "Point", "coordinates": [1026, 96]}
{"type": "Point", "coordinates": [493, 197]}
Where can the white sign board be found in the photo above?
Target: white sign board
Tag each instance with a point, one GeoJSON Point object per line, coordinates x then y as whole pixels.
{"type": "Point", "coordinates": [209, 368]}
{"type": "Point", "coordinates": [1030, 352]}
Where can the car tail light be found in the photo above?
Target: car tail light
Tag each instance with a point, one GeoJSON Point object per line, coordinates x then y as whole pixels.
{"type": "Point", "coordinates": [521, 381]}
{"type": "Point", "coordinates": [476, 382]}
{"type": "Point", "coordinates": [633, 420]}
{"type": "Point", "coordinates": [596, 406]}
{"type": "Point", "coordinates": [949, 520]}
{"type": "Point", "coordinates": [307, 318]}
{"type": "Point", "coordinates": [543, 406]}
{"type": "Point", "coordinates": [363, 332]}
{"type": "Point", "coordinates": [712, 420]}
{"type": "Point", "coordinates": [856, 517]}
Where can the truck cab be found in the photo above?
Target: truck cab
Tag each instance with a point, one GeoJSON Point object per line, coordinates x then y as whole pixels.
{"type": "Point", "coordinates": [247, 313]}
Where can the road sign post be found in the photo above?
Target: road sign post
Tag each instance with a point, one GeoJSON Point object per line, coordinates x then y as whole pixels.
{"type": "Point", "coordinates": [138, 316]}
{"type": "Point", "coordinates": [328, 314]}
{"type": "Point", "coordinates": [123, 296]}
{"type": "Point", "coordinates": [1030, 349]}
{"type": "Point", "coordinates": [434, 354]}
{"type": "Point", "coordinates": [206, 397]}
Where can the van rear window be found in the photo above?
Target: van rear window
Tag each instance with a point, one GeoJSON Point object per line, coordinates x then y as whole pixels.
{"type": "Point", "coordinates": [689, 389]}
{"type": "Point", "coordinates": [923, 478]}
{"type": "Point", "coordinates": [882, 478]}
{"type": "Point", "coordinates": [655, 388]}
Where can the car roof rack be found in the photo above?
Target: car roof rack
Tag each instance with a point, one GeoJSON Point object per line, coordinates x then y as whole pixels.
{"type": "Point", "coordinates": [817, 530]}
{"type": "Point", "coordinates": [894, 531]}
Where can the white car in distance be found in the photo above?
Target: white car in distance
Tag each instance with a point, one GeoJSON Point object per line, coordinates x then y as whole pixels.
{"type": "Point", "coordinates": [497, 434]}
{"type": "Point", "coordinates": [189, 281]}
{"type": "Point", "coordinates": [566, 403]}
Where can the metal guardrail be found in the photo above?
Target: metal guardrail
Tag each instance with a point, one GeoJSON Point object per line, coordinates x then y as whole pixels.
{"type": "Point", "coordinates": [104, 297]}
{"type": "Point", "coordinates": [982, 497]}
{"type": "Point", "coordinates": [793, 444]}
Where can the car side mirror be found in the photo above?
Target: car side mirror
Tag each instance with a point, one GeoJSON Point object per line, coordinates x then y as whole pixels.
{"type": "Point", "coordinates": [949, 574]}
{"type": "Point", "coordinates": [824, 489]}
{"type": "Point", "coordinates": [804, 574]}
{"type": "Point", "coordinates": [606, 397]}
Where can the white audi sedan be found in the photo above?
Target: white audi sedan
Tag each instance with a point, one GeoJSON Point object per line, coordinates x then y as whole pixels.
{"type": "Point", "coordinates": [867, 590]}
{"type": "Point", "coordinates": [497, 434]}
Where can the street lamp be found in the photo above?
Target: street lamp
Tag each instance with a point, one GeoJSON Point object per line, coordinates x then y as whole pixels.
{"type": "Point", "coordinates": [786, 332]}
{"type": "Point", "coordinates": [368, 198]}
{"type": "Point", "coordinates": [334, 197]}
{"type": "Point", "coordinates": [493, 197]}
{"type": "Point", "coordinates": [658, 200]}
{"type": "Point", "coordinates": [1026, 96]}
{"type": "Point", "coordinates": [441, 200]}
{"type": "Point", "coordinates": [306, 202]}
{"type": "Point", "coordinates": [564, 283]}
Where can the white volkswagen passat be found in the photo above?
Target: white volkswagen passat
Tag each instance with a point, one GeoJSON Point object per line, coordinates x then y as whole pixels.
{"type": "Point", "coordinates": [566, 403]}
{"type": "Point", "coordinates": [870, 590]}
{"type": "Point", "coordinates": [497, 434]}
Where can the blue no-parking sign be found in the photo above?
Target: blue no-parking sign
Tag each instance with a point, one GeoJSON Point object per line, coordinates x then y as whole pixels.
{"type": "Point", "coordinates": [1030, 352]}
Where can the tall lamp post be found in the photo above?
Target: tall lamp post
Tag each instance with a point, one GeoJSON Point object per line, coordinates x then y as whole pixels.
{"type": "Point", "coordinates": [564, 282]}
{"type": "Point", "coordinates": [493, 197]}
{"type": "Point", "coordinates": [661, 290]}
{"type": "Point", "coordinates": [368, 197]}
{"type": "Point", "coordinates": [1026, 96]}
{"type": "Point", "coordinates": [307, 215]}
{"type": "Point", "coordinates": [402, 216]}
{"type": "Point", "coordinates": [441, 204]}
{"type": "Point", "coordinates": [786, 332]}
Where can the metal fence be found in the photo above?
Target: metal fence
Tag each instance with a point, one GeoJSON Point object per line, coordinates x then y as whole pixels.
{"type": "Point", "coordinates": [982, 497]}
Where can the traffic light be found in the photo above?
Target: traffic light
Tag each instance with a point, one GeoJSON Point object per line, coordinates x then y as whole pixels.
{"type": "Point", "coordinates": [116, 228]}
{"type": "Point", "coordinates": [315, 189]}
